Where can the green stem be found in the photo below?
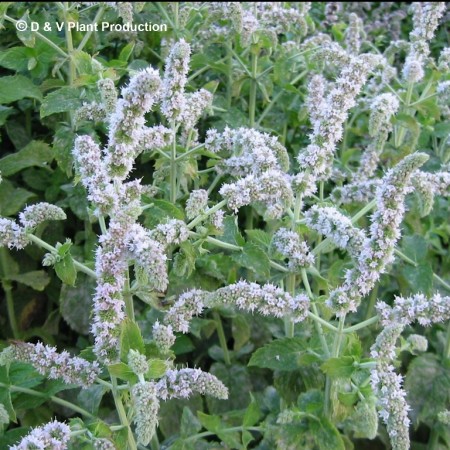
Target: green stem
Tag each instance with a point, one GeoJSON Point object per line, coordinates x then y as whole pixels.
{"type": "Point", "coordinates": [52, 398]}
{"type": "Point", "coordinates": [401, 131]}
{"type": "Point", "coordinates": [192, 150]}
{"type": "Point", "coordinates": [88, 34]}
{"type": "Point", "coordinates": [372, 300]}
{"type": "Point", "coordinates": [223, 430]}
{"type": "Point", "coordinates": [122, 414]}
{"type": "Point", "coordinates": [317, 324]}
{"type": "Point", "coordinates": [42, 38]}
{"type": "Point", "coordinates": [128, 297]}
{"type": "Point", "coordinates": [321, 321]}
{"type": "Point", "coordinates": [81, 267]}
{"type": "Point", "coordinates": [173, 166]}
{"type": "Point", "coordinates": [222, 338]}
{"type": "Point", "coordinates": [408, 260]}
{"type": "Point", "coordinates": [7, 287]}
{"type": "Point", "coordinates": [207, 213]}
{"type": "Point", "coordinates": [253, 86]}
{"type": "Point", "coordinates": [335, 353]}
{"type": "Point", "coordinates": [229, 58]}
{"type": "Point", "coordinates": [360, 325]}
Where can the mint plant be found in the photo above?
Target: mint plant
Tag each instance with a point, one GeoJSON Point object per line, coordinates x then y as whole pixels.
{"type": "Point", "coordinates": [231, 232]}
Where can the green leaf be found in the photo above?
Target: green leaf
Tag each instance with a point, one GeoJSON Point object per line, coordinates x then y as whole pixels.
{"type": "Point", "coordinates": [126, 52]}
{"type": "Point", "coordinates": [27, 36]}
{"type": "Point", "coordinates": [428, 385]}
{"type": "Point", "coordinates": [420, 278]}
{"type": "Point", "coordinates": [237, 379]}
{"type": "Point", "coordinates": [339, 367]}
{"type": "Point", "coordinates": [122, 371]}
{"type": "Point", "coordinates": [91, 397]}
{"type": "Point", "coordinates": [76, 303]}
{"type": "Point", "coordinates": [16, 88]}
{"type": "Point", "coordinates": [5, 394]}
{"type": "Point", "coordinates": [231, 234]}
{"type": "Point", "coordinates": [160, 211]}
{"type": "Point", "coordinates": [157, 368]}
{"type": "Point", "coordinates": [62, 100]}
{"type": "Point", "coordinates": [210, 422]}
{"type": "Point", "coordinates": [254, 258]}
{"type": "Point", "coordinates": [415, 247]}
{"type": "Point", "coordinates": [5, 112]}
{"type": "Point", "coordinates": [252, 413]}
{"type": "Point", "coordinates": [66, 271]}
{"type": "Point", "coordinates": [15, 58]}
{"type": "Point", "coordinates": [241, 332]}
{"type": "Point", "coordinates": [311, 402]}
{"type": "Point", "coordinates": [37, 279]}
{"type": "Point", "coordinates": [326, 435]}
{"type": "Point", "coordinates": [130, 338]}
{"type": "Point", "coordinates": [12, 199]}
{"type": "Point", "coordinates": [36, 153]}
{"type": "Point", "coordinates": [259, 237]}
{"type": "Point", "coordinates": [282, 354]}
{"type": "Point", "coordinates": [442, 129]}
{"type": "Point", "coordinates": [190, 425]}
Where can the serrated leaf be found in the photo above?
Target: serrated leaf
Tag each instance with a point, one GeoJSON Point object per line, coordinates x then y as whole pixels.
{"type": "Point", "coordinates": [252, 413]}
{"type": "Point", "coordinates": [210, 422]}
{"type": "Point", "coordinates": [62, 100]}
{"type": "Point", "coordinates": [160, 211]}
{"type": "Point", "coordinates": [16, 88]}
{"type": "Point", "coordinates": [36, 153]}
{"type": "Point", "coordinates": [341, 367]}
{"type": "Point", "coordinates": [157, 368]}
{"type": "Point", "coordinates": [427, 383]}
{"type": "Point", "coordinates": [130, 338]}
{"type": "Point", "coordinates": [326, 435]}
{"type": "Point", "coordinates": [281, 354]}
{"type": "Point", "coordinates": [12, 198]}
{"type": "Point", "coordinates": [91, 397]}
{"type": "Point", "coordinates": [66, 271]}
{"type": "Point", "coordinates": [231, 233]}
{"type": "Point", "coordinates": [420, 278]}
{"type": "Point", "coordinates": [5, 395]}
{"type": "Point", "coordinates": [254, 258]}
{"type": "Point", "coordinates": [76, 303]}
{"type": "Point", "coordinates": [37, 279]}
{"type": "Point", "coordinates": [415, 247]}
{"type": "Point", "coordinates": [190, 425]}
{"type": "Point", "coordinates": [259, 237]}
{"type": "Point", "coordinates": [122, 371]}
{"type": "Point", "coordinates": [241, 332]}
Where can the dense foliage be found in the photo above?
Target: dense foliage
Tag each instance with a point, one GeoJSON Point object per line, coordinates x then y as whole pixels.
{"type": "Point", "coordinates": [225, 225]}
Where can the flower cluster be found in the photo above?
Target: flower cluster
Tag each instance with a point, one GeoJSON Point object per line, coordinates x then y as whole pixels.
{"type": "Point", "coordinates": [172, 232]}
{"type": "Point", "coordinates": [196, 203]}
{"type": "Point", "coordinates": [387, 386]}
{"type": "Point", "coordinates": [426, 17]}
{"type": "Point", "coordinates": [354, 34]}
{"type": "Point", "coordinates": [337, 227]}
{"type": "Point", "coordinates": [383, 107]}
{"type": "Point", "coordinates": [188, 305]}
{"type": "Point", "coordinates": [427, 185]}
{"type": "Point", "coordinates": [34, 215]}
{"type": "Point", "coordinates": [177, 106]}
{"type": "Point", "coordinates": [416, 307]}
{"type": "Point", "coordinates": [184, 382]}
{"type": "Point", "coordinates": [316, 159]}
{"type": "Point", "coordinates": [12, 235]}
{"type": "Point", "coordinates": [358, 191]}
{"type": "Point", "coordinates": [146, 406]}
{"type": "Point", "coordinates": [289, 245]}
{"type": "Point", "coordinates": [148, 255]}
{"type": "Point", "coordinates": [268, 300]}
{"type": "Point", "coordinates": [52, 436]}
{"type": "Point", "coordinates": [378, 249]}
{"type": "Point", "coordinates": [163, 336]}
{"type": "Point", "coordinates": [57, 366]}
